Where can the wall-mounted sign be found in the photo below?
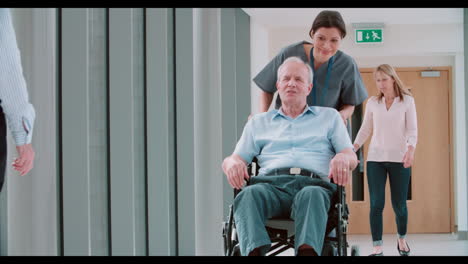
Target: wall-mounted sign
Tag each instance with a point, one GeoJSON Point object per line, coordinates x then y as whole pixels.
{"type": "Point", "coordinates": [368, 33]}
{"type": "Point", "coordinates": [369, 36]}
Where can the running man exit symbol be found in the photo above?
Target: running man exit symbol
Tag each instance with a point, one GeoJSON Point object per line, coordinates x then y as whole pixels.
{"type": "Point", "coordinates": [369, 36]}
{"type": "Point", "coordinates": [375, 35]}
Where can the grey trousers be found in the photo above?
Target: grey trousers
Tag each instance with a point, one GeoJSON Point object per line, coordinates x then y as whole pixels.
{"type": "Point", "coordinates": [305, 200]}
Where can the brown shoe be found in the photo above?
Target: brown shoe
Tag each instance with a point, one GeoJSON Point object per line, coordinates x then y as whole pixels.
{"type": "Point", "coordinates": [255, 252]}
{"type": "Point", "coordinates": [306, 252]}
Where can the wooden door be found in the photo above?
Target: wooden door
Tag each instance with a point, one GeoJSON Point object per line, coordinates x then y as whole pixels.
{"type": "Point", "coordinates": [430, 202]}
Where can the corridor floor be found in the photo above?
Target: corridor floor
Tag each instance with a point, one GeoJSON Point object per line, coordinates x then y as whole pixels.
{"type": "Point", "coordinates": [420, 245]}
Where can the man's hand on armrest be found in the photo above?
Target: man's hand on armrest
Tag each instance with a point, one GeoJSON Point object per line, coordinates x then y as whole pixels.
{"type": "Point", "coordinates": [235, 169]}
{"type": "Point", "coordinates": [341, 165]}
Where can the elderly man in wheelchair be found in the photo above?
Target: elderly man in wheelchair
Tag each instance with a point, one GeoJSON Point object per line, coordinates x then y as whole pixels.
{"type": "Point", "coordinates": [300, 149]}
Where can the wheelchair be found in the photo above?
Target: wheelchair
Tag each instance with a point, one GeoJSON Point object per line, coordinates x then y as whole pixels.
{"type": "Point", "coordinates": [281, 230]}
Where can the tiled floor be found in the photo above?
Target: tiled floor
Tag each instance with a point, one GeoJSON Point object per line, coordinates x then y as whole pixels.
{"type": "Point", "coordinates": [420, 245]}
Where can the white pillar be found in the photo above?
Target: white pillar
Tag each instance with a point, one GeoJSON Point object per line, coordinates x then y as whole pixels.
{"type": "Point", "coordinates": [207, 116]}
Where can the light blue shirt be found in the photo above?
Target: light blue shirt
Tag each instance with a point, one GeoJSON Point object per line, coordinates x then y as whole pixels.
{"type": "Point", "coordinates": [309, 141]}
{"type": "Point", "coordinates": [14, 100]}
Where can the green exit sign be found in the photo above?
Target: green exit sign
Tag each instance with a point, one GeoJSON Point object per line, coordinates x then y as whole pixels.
{"type": "Point", "coordinates": [369, 36]}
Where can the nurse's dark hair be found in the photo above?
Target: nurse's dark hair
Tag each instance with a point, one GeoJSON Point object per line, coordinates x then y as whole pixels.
{"type": "Point", "coordinates": [329, 19]}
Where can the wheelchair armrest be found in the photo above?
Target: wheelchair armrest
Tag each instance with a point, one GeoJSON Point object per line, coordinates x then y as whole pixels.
{"type": "Point", "coordinates": [252, 174]}
{"type": "Point", "coordinates": [237, 191]}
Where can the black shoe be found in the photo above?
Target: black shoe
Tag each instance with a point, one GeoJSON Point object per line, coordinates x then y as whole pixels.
{"type": "Point", "coordinates": [403, 253]}
{"type": "Point", "coordinates": [377, 254]}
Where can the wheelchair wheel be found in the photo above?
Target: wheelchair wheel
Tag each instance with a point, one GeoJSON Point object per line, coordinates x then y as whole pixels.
{"type": "Point", "coordinates": [329, 249]}
{"type": "Point", "coordinates": [225, 238]}
{"type": "Point", "coordinates": [236, 251]}
{"type": "Point", "coordinates": [354, 250]}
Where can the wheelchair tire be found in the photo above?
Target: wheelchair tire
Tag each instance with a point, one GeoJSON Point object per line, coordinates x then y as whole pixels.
{"type": "Point", "coordinates": [354, 250]}
{"type": "Point", "coordinates": [236, 251]}
{"type": "Point", "coordinates": [329, 249]}
{"type": "Point", "coordinates": [225, 238]}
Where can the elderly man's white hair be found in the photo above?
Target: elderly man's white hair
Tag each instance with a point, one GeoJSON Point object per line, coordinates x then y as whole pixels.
{"type": "Point", "coordinates": [299, 60]}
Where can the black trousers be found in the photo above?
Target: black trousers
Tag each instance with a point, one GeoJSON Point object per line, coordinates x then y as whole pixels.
{"type": "Point", "coordinates": [3, 147]}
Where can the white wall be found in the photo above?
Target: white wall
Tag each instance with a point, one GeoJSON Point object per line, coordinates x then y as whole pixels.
{"type": "Point", "coordinates": [260, 55]}
{"type": "Point", "coordinates": [403, 46]}
{"type": "Point", "coordinates": [398, 40]}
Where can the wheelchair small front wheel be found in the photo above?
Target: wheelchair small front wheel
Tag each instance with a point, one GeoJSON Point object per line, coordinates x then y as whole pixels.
{"type": "Point", "coordinates": [354, 250]}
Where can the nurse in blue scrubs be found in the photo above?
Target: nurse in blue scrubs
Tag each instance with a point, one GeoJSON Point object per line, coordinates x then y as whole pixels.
{"type": "Point", "coordinates": [337, 82]}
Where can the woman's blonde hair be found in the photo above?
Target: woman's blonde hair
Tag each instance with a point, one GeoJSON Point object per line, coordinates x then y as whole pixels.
{"type": "Point", "coordinates": [398, 86]}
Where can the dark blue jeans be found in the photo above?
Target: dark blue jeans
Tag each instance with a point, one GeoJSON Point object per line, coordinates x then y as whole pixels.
{"type": "Point", "coordinates": [399, 177]}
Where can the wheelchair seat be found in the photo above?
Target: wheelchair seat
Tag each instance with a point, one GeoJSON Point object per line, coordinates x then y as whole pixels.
{"type": "Point", "coordinates": [282, 224]}
{"type": "Point", "coordinates": [288, 225]}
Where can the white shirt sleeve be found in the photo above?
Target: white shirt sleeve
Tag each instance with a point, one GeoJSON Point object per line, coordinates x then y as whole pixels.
{"type": "Point", "coordinates": [367, 125]}
{"type": "Point", "coordinates": [14, 100]}
{"type": "Point", "coordinates": [411, 123]}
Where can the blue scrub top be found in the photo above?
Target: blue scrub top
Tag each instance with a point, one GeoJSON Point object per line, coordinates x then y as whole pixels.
{"type": "Point", "coordinates": [345, 85]}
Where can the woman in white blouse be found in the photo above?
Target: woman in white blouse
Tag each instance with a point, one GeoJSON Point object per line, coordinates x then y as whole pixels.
{"type": "Point", "coordinates": [391, 119]}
